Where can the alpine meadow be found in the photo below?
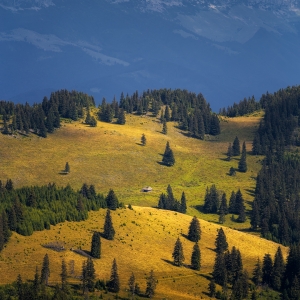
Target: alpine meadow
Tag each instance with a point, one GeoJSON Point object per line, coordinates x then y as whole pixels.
{"type": "Point", "coordinates": [152, 196]}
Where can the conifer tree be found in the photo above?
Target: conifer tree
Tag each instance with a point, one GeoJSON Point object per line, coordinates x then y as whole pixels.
{"type": "Point", "coordinates": [229, 152]}
{"type": "Point", "coordinates": [131, 284]}
{"type": "Point", "coordinates": [165, 128]}
{"type": "Point", "coordinates": [168, 157]}
{"type": "Point", "coordinates": [167, 113]}
{"type": "Point", "coordinates": [2, 241]}
{"type": "Point", "coordinates": [114, 281]}
{"type": "Point", "coordinates": [194, 233]}
{"type": "Point", "coordinates": [121, 117]}
{"type": "Point", "coordinates": [257, 273]}
{"type": "Point", "coordinates": [67, 168]}
{"type": "Point", "coordinates": [212, 288]}
{"type": "Point", "coordinates": [151, 285]}
{"type": "Point", "coordinates": [223, 206]}
{"type": "Point", "coordinates": [278, 270]}
{"type": "Point", "coordinates": [183, 203]}
{"type": "Point", "coordinates": [236, 148]}
{"type": "Point", "coordinates": [36, 281]}
{"type": "Point", "coordinates": [178, 253]}
{"type": "Point", "coordinates": [196, 257]}
{"type": "Point", "coordinates": [45, 272]}
{"type": "Point", "coordinates": [267, 269]}
{"type": "Point", "coordinates": [112, 200]}
{"type": "Point", "coordinates": [96, 245]}
{"type": "Point", "coordinates": [64, 276]}
{"type": "Point", "coordinates": [109, 231]}
{"type": "Point", "coordinates": [243, 162]}
{"type": "Point", "coordinates": [232, 203]}
{"type": "Point", "coordinates": [219, 270]}
{"type": "Point", "coordinates": [88, 275]}
{"type": "Point", "coordinates": [221, 241]}
{"type": "Point", "coordinates": [143, 140]}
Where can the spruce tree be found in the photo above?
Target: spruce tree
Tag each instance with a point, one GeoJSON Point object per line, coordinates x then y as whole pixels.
{"type": "Point", "coordinates": [221, 241]}
{"type": "Point", "coordinates": [64, 276]}
{"type": "Point", "coordinates": [219, 270]}
{"type": "Point", "coordinates": [112, 200]}
{"type": "Point", "coordinates": [143, 140]}
{"type": "Point", "coordinates": [267, 269]}
{"type": "Point", "coordinates": [109, 231]}
{"type": "Point", "coordinates": [229, 152]}
{"type": "Point", "coordinates": [278, 270]}
{"type": "Point", "coordinates": [67, 168]}
{"type": "Point", "coordinates": [165, 128]}
{"type": "Point", "coordinates": [96, 245]}
{"type": "Point", "coordinates": [167, 113]}
{"type": "Point", "coordinates": [183, 203]}
{"type": "Point", "coordinates": [196, 257]}
{"type": "Point", "coordinates": [236, 148]}
{"type": "Point", "coordinates": [257, 273]}
{"type": "Point", "coordinates": [243, 162]}
{"type": "Point", "coordinates": [194, 233]}
{"type": "Point", "coordinates": [114, 281]}
{"type": "Point", "coordinates": [168, 157]}
{"type": "Point", "coordinates": [178, 253]}
{"type": "Point", "coordinates": [131, 284]}
{"type": "Point", "coordinates": [151, 285]}
{"type": "Point", "coordinates": [223, 206]}
{"type": "Point", "coordinates": [212, 288]}
{"type": "Point", "coordinates": [45, 272]}
{"type": "Point", "coordinates": [88, 275]}
{"type": "Point", "coordinates": [121, 117]}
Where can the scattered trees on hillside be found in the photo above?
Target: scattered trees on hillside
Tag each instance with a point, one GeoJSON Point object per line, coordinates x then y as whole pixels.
{"type": "Point", "coordinates": [168, 156]}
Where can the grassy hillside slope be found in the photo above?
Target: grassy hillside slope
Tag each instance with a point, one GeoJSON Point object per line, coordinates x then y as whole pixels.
{"type": "Point", "coordinates": [144, 240]}
{"type": "Point", "coordinates": [110, 156]}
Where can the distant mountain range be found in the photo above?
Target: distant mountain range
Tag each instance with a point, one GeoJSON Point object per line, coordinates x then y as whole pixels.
{"type": "Point", "coordinates": [227, 50]}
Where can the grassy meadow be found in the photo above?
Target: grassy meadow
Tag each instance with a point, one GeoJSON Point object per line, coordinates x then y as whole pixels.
{"type": "Point", "coordinates": [144, 241]}
{"type": "Point", "coordinates": [111, 156]}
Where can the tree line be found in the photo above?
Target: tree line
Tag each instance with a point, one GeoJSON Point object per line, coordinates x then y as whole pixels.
{"type": "Point", "coordinates": [35, 208]}
{"type": "Point", "coordinates": [44, 118]}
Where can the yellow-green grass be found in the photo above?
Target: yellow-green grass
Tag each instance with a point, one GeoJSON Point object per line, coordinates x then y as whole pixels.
{"type": "Point", "coordinates": [144, 241]}
{"type": "Point", "coordinates": [110, 156]}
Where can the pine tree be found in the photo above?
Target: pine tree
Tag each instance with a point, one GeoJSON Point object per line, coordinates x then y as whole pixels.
{"type": "Point", "coordinates": [267, 269]}
{"type": "Point", "coordinates": [223, 206]}
{"type": "Point", "coordinates": [167, 113]}
{"type": "Point", "coordinates": [221, 241]}
{"type": "Point", "coordinates": [178, 253]}
{"type": "Point", "coordinates": [36, 281]}
{"type": "Point", "coordinates": [121, 117]}
{"type": "Point", "coordinates": [114, 281]}
{"type": "Point", "coordinates": [243, 162]}
{"type": "Point", "coordinates": [168, 157]}
{"type": "Point", "coordinates": [131, 284]}
{"type": "Point", "coordinates": [64, 276]}
{"type": "Point", "coordinates": [109, 231]}
{"type": "Point", "coordinates": [143, 140]}
{"type": "Point", "coordinates": [67, 168]}
{"type": "Point", "coordinates": [236, 149]}
{"type": "Point", "coordinates": [278, 270]}
{"type": "Point", "coordinates": [183, 206]}
{"type": "Point", "coordinates": [151, 285]}
{"type": "Point", "coordinates": [219, 270]}
{"type": "Point", "coordinates": [196, 257]}
{"type": "Point", "coordinates": [232, 203]}
{"type": "Point", "coordinates": [229, 152]}
{"type": "Point", "coordinates": [257, 273]}
{"type": "Point", "coordinates": [112, 200]}
{"type": "Point", "coordinates": [96, 245]}
{"type": "Point", "coordinates": [165, 128]}
{"type": "Point", "coordinates": [194, 233]}
{"type": "Point", "coordinates": [45, 272]}
{"type": "Point", "coordinates": [212, 288]}
{"type": "Point", "coordinates": [88, 275]}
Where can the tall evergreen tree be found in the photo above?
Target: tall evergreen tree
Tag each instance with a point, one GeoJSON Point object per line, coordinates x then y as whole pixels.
{"type": "Point", "coordinates": [168, 157]}
{"type": "Point", "coordinates": [194, 233]}
{"type": "Point", "coordinates": [196, 257]}
{"type": "Point", "coordinates": [64, 276]}
{"type": "Point", "coordinates": [223, 206]}
{"type": "Point", "coordinates": [178, 253]}
{"type": "Point", "coordinates": [131, 284]}
{"type": "Point", "coordinates": [267, 269]}
{"type": "Point", "coordinates": [164, 128]}
{"type": "Point", "coordinates": [109, 231]}
{"type": "Point", "coordinates": [45, 272]}
{"type": "Point", "coordinates": [114, 281]}
{"type": "Point", "coordinates": [236, 148]}
{"type": "Point", "coordinates": [151, 285]}
{"type": "Point", "coordinates": [143, 140]}
{"type": "Point", "coordinates": [219, 270]}
{"type": "Point", "coordinates": [278, 270]}
{"type": "Point", "coordinates": [221, 241]}
{"type": "Point", "coordinates": [257, 273]}
{"type": "Point", "coordinates": [96, 245]}
{"type": "Point", "coordinates": [88, 275]}
{"type": "Point", "coordinates": [167, 114]}
{"type": "Point", "coordinates": [229, 152]}
{"type": "Point", "coordinates": [183, 206]}
{"type": "Point", "coordinates": [67, 168]}
{"type": "Point", "coordinates": [121, 117]}
{"type": "Point", "coordinates": [112, 200]}
{"type": "Point", "coordinates": [212, 288]}
{"type": "Point", "coordinates": [243, 160]}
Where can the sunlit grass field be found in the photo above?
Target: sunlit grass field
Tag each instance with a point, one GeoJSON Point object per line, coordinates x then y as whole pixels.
{"type": "Point", "coordinates": [111, 156]}
{"type": "Point", "coordinates": [144, 241]}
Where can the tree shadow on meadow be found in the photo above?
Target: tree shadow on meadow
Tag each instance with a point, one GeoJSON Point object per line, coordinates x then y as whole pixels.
{"type": "Point", "coordinates": [168, 261]}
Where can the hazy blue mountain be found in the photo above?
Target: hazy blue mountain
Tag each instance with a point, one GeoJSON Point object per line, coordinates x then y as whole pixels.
{"type": "Point", "coordinates": [225, 49]}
